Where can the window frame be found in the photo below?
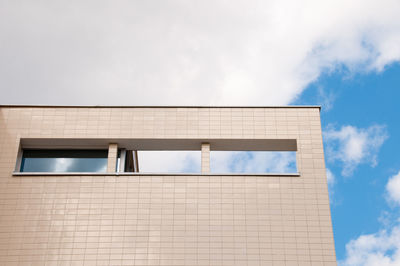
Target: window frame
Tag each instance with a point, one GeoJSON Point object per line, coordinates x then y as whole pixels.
{"type": "Point", "coordinates": [21, 158]}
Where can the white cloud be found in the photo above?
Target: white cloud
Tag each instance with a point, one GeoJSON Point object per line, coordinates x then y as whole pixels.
{"type": "Point", "coordinates": [379, 249]}
{"type": "Point", "coordinates": [185, 52]}
{"type": "Point", "coordinates": [330, 178]}
{"type": "Point", "coordinates": [253, 162]}
{"type": "Point", "coordinates": [353, 146]}
{"type": "Point", "coordinates": [393, 188]}
{"type": "Point", "coordinates": [326, 98]}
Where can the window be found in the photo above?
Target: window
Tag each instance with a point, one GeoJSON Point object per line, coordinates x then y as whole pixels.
{"type": "Point", "coordinates": [153, 161]}
{"type": "Point", "coordinates": [253, 162]}
{"type": "Point", "coordinates": [169, 161]}
{"type": "Point", "coordinates": [148, 156]}
{"type": "Point", "coordinates": [34, 160]}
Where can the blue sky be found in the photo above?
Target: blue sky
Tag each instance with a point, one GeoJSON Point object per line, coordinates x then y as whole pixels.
{"type": "Point", "coordinates": [343, 55]}
{"type": "Point", "coordinates": [359, 201]}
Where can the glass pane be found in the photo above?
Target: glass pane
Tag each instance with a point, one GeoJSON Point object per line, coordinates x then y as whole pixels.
{"type": "Point", "coordinates": [64, 161]}
{"type": "Point", "coordinates": [253, 162]}
{"type": "Point", "coordinates": [169, 161]}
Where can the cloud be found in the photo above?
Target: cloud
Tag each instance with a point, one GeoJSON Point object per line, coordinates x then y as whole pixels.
{"type": "Point", "coordinates": [379, 249]}
{"type": "Point", "coordinates": [180, 52]}
{"type": "Point", "coordinates": [354, 146]}
{"type": "Point", "coordinates": [325, 98]}
{"type": "Point", "coordinates": [253, 162]}
{"type": "Point", "coordinates": [330, 178]}
{"type": "Point", "coordinates": [393, 188]}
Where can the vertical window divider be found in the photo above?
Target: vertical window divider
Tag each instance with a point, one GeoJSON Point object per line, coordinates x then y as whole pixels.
{"type": "Point", "coordinates": [122, 160]}
{"type": "Point", "coordinates": [112, 157]}
{"type": "Point", "coordinates": [205, 158]}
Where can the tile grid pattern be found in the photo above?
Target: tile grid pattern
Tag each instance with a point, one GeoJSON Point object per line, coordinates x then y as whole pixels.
{"type": "Point", "coordinates": [205, 158]}
{"type": "Point", "coordinates": [165, 220]}
{"type": "Point", "coordinates": [112, 157]}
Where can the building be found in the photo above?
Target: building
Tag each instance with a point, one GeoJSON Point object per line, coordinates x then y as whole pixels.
{"type": "Point", "coordinates": [104, 211]}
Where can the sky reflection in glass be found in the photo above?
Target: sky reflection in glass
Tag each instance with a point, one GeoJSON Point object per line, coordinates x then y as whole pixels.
{"type": "Point", "coordinates": [64, 161]}
{"type": "Point", "coordinates": [253, 162]}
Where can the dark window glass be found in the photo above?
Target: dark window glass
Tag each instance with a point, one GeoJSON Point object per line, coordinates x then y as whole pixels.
{"type": "Point", "coordinates": [64, 161]}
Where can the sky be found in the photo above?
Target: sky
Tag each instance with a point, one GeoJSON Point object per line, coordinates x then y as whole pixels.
{"type": "Point", "coordinates": [342, 55]}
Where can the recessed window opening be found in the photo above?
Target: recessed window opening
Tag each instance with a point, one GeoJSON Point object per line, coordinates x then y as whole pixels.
{"type": "Point", "coordinates": [169, 161]}
{"type": "Point", "coordinates": [39, 160]}
{"type": "Point", "coordinates": [253, 162]}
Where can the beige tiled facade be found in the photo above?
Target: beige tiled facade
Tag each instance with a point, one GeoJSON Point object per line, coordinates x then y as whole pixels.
{"type": "Point", "coordinates": [140, 219]}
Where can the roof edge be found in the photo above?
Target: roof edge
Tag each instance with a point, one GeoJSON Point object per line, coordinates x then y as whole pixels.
{"type": "Point", "coordinates": [157, 106]}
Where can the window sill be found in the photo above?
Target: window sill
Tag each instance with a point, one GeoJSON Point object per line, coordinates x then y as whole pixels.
{"type": "Point", "coordinates": [148, 174]}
